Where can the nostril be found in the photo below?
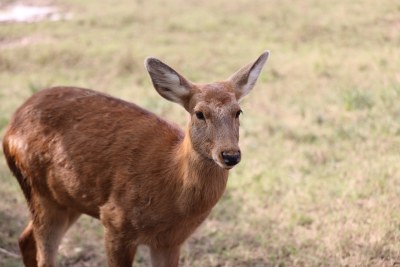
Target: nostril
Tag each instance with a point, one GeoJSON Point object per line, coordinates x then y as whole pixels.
{"type": "Point", "coordinates": [231, 158]}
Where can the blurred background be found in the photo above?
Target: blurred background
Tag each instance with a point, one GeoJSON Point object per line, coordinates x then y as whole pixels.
{"type": "Point", "coordinates": [319, 183]}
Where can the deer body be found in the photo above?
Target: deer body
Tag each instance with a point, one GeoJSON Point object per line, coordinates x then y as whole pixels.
{"type": "Point", "coordinates": [76, 151]}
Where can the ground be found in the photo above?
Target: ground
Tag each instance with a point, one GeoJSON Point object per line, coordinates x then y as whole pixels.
{"type": "Point", "coordinates": [319, 183]}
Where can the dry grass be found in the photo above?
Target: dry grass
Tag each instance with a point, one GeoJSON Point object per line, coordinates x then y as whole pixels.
{"type": "Point", "coordinates": [319, 184]}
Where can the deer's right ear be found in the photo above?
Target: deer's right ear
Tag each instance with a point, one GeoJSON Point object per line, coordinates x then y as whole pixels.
{"type": "Point", "coordinates": [169, 83]}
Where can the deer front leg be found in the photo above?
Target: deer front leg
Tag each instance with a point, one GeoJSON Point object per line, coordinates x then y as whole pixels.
{"type": "Point", "coordinates": [119, 236]}
{"type": "Point", "coordinates": [165, 257]}
{"type": "Point", "coordinates": [120, 251]}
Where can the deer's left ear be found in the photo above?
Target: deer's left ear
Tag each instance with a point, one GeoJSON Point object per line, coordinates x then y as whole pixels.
{"type": "Point", "coordinates": [245, 78]}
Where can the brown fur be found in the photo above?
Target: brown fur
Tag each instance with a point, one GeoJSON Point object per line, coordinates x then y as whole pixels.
{"type": "Point", "coordinates": [78, 151]}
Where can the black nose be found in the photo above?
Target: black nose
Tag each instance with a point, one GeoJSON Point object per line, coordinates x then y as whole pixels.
{"type": "Point", "coordinates": [231, 158]}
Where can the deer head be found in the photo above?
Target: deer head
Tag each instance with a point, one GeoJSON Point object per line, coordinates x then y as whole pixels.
{"type": "Point", "coordinates": [214, 108]}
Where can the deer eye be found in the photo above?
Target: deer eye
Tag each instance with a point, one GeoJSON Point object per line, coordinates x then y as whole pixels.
{"type": "Point", "coordinates": [238, 113]}
{"type": "Point", "coordinates": [200, 115]}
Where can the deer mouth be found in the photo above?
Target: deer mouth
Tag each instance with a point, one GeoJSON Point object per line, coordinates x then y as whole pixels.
{"type": "Point", "coordinates": [223, 165]}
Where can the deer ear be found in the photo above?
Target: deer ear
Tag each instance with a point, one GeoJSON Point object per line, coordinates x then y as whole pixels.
{"type": "Point", "coordinates": [245, 78]}
{"type": "Point", "coordinates": [169, 83]}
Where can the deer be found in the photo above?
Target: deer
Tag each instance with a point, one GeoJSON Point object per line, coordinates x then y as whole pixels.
{"type": "Point", "coordinates": [78, 151]}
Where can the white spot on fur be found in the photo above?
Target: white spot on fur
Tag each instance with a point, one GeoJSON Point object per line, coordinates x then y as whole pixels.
{"type": "Point", "coordinates": [17, 144]}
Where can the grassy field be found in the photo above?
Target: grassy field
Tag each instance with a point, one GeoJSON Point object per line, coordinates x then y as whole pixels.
{"type": "Point", "coordinates": [319, 183]}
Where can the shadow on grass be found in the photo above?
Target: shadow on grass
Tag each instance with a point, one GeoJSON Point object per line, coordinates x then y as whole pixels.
{"type": "Point", "coordinates": [225, 239]}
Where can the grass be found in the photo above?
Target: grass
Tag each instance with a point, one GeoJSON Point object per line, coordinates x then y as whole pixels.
{"type": "Point", "coordinates": [319, 183]}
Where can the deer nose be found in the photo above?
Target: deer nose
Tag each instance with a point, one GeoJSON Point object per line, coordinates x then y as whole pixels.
{"type": "Point", "coordinates": [231, 158]}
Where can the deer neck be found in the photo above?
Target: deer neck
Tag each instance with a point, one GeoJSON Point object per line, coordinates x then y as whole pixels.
{"type": "Point", "coordinates": [203, 181]}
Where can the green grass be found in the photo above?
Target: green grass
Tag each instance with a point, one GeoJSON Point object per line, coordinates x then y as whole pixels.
{"type": "Point", "coordinates": [319, 184]}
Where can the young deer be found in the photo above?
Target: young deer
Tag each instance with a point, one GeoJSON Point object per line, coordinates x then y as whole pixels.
{"type": "Point", "coordinates": [77, 151]}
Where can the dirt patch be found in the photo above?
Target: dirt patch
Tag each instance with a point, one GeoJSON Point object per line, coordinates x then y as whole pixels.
{"type": "Point", "coordinates": [29, 13]}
